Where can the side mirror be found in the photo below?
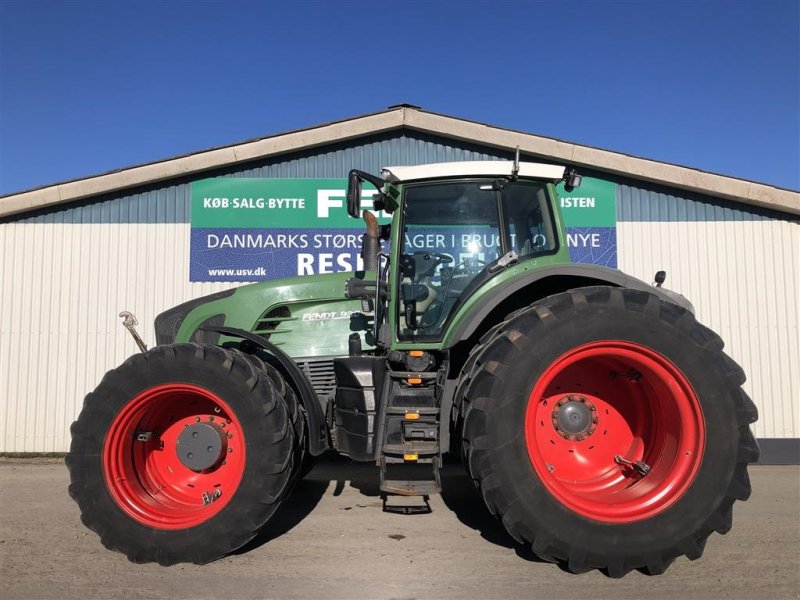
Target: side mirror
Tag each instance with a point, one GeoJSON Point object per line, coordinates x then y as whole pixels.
{"type": "Point", "coordinates": [572, 180]}
{"type": "Point", "coordinates": [354, 194]}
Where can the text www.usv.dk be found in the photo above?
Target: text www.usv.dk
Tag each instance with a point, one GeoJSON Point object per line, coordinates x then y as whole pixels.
{"type": "Point", "coordinates": [259, 272]}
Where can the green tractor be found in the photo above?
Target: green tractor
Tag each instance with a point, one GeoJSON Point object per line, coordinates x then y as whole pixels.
{"type": "Point", "coordinates": [598, 419]}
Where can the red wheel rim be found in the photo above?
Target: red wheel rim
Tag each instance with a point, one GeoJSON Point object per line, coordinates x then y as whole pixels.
{"type": "Point", "coordinates": [641, 413]}
{"type": "Point", "coordinates": [143, 471]}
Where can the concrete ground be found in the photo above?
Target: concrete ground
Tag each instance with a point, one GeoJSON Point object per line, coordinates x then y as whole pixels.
{"type": "Point", "coordinates": [332, 540]}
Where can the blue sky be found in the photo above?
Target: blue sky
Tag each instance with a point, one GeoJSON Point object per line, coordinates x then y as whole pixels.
{"type": "Point", "coordinates": [87, 87]}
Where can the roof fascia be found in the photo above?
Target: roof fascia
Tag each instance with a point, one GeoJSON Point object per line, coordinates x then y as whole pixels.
{"type": "Point", "coordinates": [201, 161]}
{"type": "Point", "coordinates": [685, 178]}
{"type": "Point", "coordinates": [617, 163]}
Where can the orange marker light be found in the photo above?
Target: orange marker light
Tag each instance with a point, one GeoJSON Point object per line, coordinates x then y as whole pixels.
{"type": "Point", "coordinates": [414, 381]}
{"type": "Point", "coordinates": [412, 416]}
{"type": "Point", "coordinates": [416, 353]}
{"type": "Point", "coordinates": [410, 456]}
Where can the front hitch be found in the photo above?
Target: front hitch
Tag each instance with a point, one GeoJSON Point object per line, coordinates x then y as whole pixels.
{"type": "Point", "coordinates": [129, 322]}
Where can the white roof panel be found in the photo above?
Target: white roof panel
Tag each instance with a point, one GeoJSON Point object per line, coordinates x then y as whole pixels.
{"type": "Point", "coordinates": [476, 168]}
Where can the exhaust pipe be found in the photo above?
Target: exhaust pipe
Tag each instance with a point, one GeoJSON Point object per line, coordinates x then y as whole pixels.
{"type": "Point", "coordinates": [370, 244]}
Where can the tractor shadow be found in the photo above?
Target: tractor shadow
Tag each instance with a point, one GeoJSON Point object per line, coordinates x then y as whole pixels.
{"type": "Point", "coordinates": [308, 492]}
{"type": "Point", "coordinates": [303, 499]}
{"type": "Point", "coordinates": [460, 496]}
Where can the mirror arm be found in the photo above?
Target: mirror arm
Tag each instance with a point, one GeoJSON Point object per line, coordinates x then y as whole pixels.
{"type": "Point", "coordinates": [364, 176]}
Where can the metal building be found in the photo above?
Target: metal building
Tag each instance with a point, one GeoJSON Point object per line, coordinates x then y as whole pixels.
{"type": "Point", "coordinates": [74, 254]}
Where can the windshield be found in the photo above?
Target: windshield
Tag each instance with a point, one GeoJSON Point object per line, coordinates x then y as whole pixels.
{"type": "Point", "coordinates": [453, 235]}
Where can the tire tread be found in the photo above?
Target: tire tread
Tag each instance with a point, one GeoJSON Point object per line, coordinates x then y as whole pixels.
{"type": "Point", "coordinates": [494, 355]}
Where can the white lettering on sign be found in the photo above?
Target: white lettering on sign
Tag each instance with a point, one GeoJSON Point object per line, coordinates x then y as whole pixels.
{"type": "Point", "coordinates": [327, 262]}
{"type": "Point", "coordinates": [583, 240]}
{"type": "Point", "coordinates": [426, 240]}
{"type": "Point", "coordinates": [287, 202]}
{"type": "Point", "coordinates": [260, 240]}
{"type": "Point", "coordinates": [338, 240]}
{"type": "Point", "coordinates": [248, 203]}
{"type": "Point", "coordinates": [477, 240]}
{"type": "Point", "coordinates": [578, 202]}
{"type": "Point", "coordinates": [328, 199]}
{"type": "Point", "coordinates": [254, 203]}
{"type": "Point", "coordinates": [216, 202]}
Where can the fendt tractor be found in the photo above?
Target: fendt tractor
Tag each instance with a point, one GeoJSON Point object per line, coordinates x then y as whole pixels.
{"type": "Point", "coordinates": [600, 422]}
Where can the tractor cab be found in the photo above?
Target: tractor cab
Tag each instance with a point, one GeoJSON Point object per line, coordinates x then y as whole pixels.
{"type": "Point", "coordinates": [455, 226]}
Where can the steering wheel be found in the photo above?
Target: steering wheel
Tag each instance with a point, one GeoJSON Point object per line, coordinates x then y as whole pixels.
{"type": "Point", "coordinates": [443, 258]}
{"type": "Point", "coordinates": [422, 257]}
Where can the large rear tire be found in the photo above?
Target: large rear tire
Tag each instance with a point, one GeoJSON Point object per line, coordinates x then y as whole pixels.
{"type": "Point", "coordinates": [181, 454]}
{"type": "Point", "coordinates": [607, 428]}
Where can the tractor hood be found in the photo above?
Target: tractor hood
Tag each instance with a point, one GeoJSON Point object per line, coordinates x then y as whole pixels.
{"type": "Point", "coordinates": [307, 316]}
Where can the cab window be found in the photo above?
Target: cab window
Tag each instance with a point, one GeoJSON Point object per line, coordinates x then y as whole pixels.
{"type": "Point", "coordinates": [453, 233]}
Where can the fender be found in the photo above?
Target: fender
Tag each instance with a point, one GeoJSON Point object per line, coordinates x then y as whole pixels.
{"type": "Point", "coordinates": [583, 274]}
{"type": "Point", "coordinates": [317, 431]}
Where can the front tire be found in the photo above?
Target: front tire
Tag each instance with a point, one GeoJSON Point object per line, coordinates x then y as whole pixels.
{"type": "Point", "coordinates": [181, 454]}
{"type": "Point", "coordinates": [303, 460]}
{"type": "Point", "coordinates": [607, 429]}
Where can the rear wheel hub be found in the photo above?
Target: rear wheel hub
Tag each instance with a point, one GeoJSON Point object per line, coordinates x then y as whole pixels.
{"type": "Point", "coordinates": [574, 417]}
{"type": "Point", "coordinates": [201, 446]}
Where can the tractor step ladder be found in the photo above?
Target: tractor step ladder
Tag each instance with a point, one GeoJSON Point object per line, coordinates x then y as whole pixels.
{"type": "Point", "coordinates": [410, 441]}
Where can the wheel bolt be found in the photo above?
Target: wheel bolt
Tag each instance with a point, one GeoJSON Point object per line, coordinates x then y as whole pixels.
{"type": "Point", "coordinates": [197, 419]}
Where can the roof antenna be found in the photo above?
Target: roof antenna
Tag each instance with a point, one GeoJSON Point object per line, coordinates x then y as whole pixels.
{"type": "Point", "coordinates": [515, 168]}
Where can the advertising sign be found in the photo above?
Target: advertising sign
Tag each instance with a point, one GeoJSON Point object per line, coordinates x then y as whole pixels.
{"type": "Point", "coordinates": [590, 216]}
{"type": "Point", "coordinates": [260, 229]}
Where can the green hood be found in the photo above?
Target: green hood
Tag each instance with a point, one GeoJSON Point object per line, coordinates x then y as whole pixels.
{"type": "Point", "coordinates": [306, 316]}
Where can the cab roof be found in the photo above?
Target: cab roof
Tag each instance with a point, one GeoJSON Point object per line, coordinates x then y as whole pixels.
{"type": "Point", "coordinates": [477, 168]}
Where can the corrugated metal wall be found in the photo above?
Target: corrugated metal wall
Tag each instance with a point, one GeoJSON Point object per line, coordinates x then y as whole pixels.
{"type": "Point", "coordinates": [67, 273]}
{"type": "Point", "coordinates": [741, 269]}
